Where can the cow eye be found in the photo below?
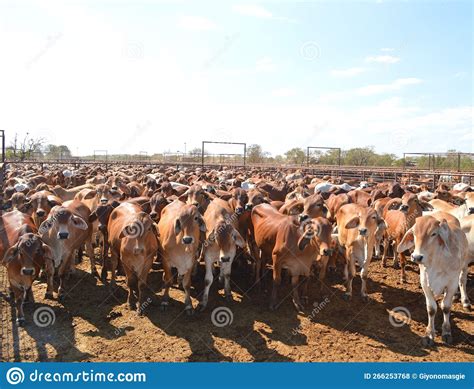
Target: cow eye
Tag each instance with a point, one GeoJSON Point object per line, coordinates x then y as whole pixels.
{"type": "Point", "coordinates": [434, 234]}
{"type": "Point", "coordinates": [195, 218]}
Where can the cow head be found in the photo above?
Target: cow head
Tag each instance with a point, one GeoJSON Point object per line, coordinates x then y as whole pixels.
{"type": "Point", "coordinates": [238, 200]}
{"type": "Point", "coordinates": [317, 230]}
{"type": "Point", "coordinates": [102, 214]}
{"type": "Point", "coordinates": [40, 205]}
{"type": "Point", "coordinates": [188, 225]}
{"type": "Point", "coordinates": [61, 220]}
{"type": "Point", "coordinates": [227, 239]}
{"type": "Point", "coordinates": [313, 206]}
{"type": "Point", "coordinates": [256, 197]}
{"type": "Point", "coordinates": [136, 231]}
{"type": "Point", "coordinates": [427, 237]}
{"type": "Point", "coordinates": [366, 221]}
{"type": "Point", "coordinates": [29, 253]}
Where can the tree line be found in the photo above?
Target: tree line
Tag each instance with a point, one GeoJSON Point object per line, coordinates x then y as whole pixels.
{"type": "Point", "coordinates": [38, 148]}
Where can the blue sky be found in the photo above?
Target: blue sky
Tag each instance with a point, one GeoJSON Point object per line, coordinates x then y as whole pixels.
{"type": "Point", "coordinates": [150, 76]}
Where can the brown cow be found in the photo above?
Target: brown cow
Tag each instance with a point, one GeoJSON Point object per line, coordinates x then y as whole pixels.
{"type": "Point", "coordinates": [133, 239]}
{"type": "Point", "coordinates": [180, 228]}
{"type": "Point", "coordinates": [291, 246]}
{"type": "Point", "coordinates": [40, 205]}
{"type": "Point", "coordinates": [65, 230]}
{"type": "Point", "coordinates": [23, 262]}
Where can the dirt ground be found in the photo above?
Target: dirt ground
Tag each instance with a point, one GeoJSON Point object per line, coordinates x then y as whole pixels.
{"type": "Point", "coordinates": [94, 324]}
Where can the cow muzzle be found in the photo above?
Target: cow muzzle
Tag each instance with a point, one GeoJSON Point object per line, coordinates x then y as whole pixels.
{"type": "Point", "coordinates": [239, 210]}
{"type": "Point", "coordinates": [417, 258]}
{"type": "Point", "coordinates": [103, 200]}
{"type": "Point", "coordinates": [188, 240]}
{"type": "Point", "coordinates": [63, 235]}
{"type": "Point", "coordinates": [28, 271]}
{"type": "Point", "coordinates": [363, 231]}
{"type": "Point", "coordinates": [248, 207]}
{"type": "Point", "coordinates": [471, 211]}
{"type": "Point", "coordinates": [40, 213]}
{"type": "Point", "coordinates": [225, 259]}
{"type": "Point", "coordinates": [303, 217]}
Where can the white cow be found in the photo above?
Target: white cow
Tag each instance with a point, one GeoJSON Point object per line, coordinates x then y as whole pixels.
{"type": "Point", "coordinates": [441, 251]}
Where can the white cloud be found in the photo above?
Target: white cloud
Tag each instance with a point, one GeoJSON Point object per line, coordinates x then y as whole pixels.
{"type": "Point", "coordinates": [387, 59]}
{"type": "Point", "coordinates": [284, 92]}
{"type": "Point", "coordinates": [382, 88]}
{"type": "Point", "coordinates": [252, 10]}
{"type": "Point", "coordinates": [350, 72]}
{"type": "Point", "coordinates": [198, 23]}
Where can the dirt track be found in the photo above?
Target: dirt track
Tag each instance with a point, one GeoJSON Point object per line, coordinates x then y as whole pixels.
{"type": "Point", "coordinates": [95, 325]}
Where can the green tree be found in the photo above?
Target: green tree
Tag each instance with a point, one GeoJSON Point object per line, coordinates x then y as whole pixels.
{"type": "Point", "coordinates": [295, 155]}
{"type": "Point", "coordinates": [255, 154]}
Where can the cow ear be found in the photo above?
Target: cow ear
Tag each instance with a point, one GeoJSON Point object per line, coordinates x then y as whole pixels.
{"type": "Point", "coordinates": [79, 222]}
{"type": "Point", "coordinates": [239, 241]}
{"type": "Point", "coordinates": [45, 226]}
{"type": "Point", "coordinates": [90, 195]}
{"type": "Point", "coordinates": [202, 225]}
{"type": "Point", "coordinates": [93, 217]}
{"type": "Point", "coordinates": [177, 227]}
{"type": "Point", "coordinates": [53, 201]}
{"type": "Point", "coordinates": [407, 242]}
{"type": "Point", "coordinates": [425, 206]}
{"type": "Point", "coordinates": [443, 232]}
{"type": "Point", "coordinates": [146, 207]}
{"type": "Point", "coordinates": [115, 204]}
{"type": "Point", "coordinates": [47, 252]}
{"type": "Point", "coordinates": [353, 223]}
{"type": "Point", "coordinates": [303, 242]}
{"type": "Point", "coordinates": [10, 255]}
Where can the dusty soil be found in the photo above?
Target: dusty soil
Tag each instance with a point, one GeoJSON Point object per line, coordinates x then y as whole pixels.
{"type": "Point", "coordinates": [94, 324]}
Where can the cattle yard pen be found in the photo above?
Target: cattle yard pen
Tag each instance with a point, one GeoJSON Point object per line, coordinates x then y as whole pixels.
{"type": "Point", "coordinates": [347, 173]}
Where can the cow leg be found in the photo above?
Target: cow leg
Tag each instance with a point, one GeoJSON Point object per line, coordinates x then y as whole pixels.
{"type": "Point", "coordinates": [19, 297]}
{"type": "Point", "coordinates": [396, 263]}
{"type": "Point", "coordinates": [295, 291]}
{"type": "Point", "coordinates": [80, 252]}
{"type": "Point", "coordinates": [351, 270]}
{"type": "Point", "coordinates": [446, 307]}
{"type": "Point", "coordinates": [466, 304]}
{"type": "Point", "coordinates": [29, 296]}
{"type": "Point", "coordinates": [431, 307]}
{"type": "Point", "coordinates": [385, 252]}
{"type": "Point", "coordinates": [403, 276]}
{"type": "Point", "coordinates": [63, 273]}
{"type": "Point", "coordinates": [113, 264]}
{"type": "Point", "coordinates": [90, 254]}
{"type": "Point", "coordinates": [132, 283]}
{"type": "Point", "coordinates": [304, 290]}
{"type": "Point", "coordinates": [168, 281]}
{"type": "Point", "coordinates": [276, 283]}
{"type": "Point", "coordinates": [364, 272]}
{"type": "Point", "coordinates": [208, 278]}
{"type": "Point", "coordinates": [322, 274]}
{"type": "Point", "coordinates": [188, 305]}
{"type": "Point", "coordinates": [49, 271]}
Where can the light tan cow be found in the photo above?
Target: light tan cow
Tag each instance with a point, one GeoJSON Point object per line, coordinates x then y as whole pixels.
{"type": "Point", "coordinates": [222, 239]}
{"type": "Point", "coordinates": [357, 225]}
{"type": "Point", "coordinates": [441, 251]}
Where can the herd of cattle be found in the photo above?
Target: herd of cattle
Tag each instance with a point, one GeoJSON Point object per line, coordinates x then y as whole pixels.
{"type": "Point", "coordinates": [181, 218]}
